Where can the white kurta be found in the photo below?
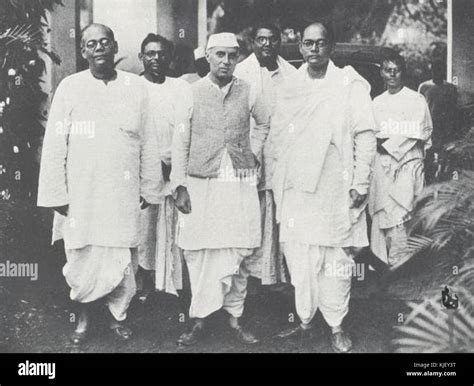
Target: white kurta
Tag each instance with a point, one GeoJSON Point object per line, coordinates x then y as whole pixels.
{"type": "Point", "coordinates": [404, 121]}
{"type": "Point", "coordinates": [171, 102]}
{"type": "Point", "coordinates": [225, 211]}
{"type": "Point", "coordinates": [99, 157]}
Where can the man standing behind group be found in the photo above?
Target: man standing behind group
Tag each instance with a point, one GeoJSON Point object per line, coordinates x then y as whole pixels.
{"type": "Point", "coordinates": [214, 176]}
{"type": "Point", "coordinates": [171, 103]}
{"type": "Point", "coordinates": [323, 143]}
{"type": "Point", "coordinates": [94, 179]}
{"type": "Point", "coordinates": [405, 127]}
{"type": "Point", "coordinates": [265, 70]}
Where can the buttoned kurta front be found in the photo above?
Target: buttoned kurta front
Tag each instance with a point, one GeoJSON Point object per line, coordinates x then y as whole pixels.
{"type": "Point", "coordinates": [99, 157]}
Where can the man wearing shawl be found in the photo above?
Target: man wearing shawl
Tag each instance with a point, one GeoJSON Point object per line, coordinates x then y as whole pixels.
{"type": "Point", "coordinates": [265, 70]}
{"type": "Point", "coordinates": [323, 145]}
{"type": "Point", "coordinates": [214, 177]}
{"type": "Point", "coordinates": [404, 122]}
{"type": "Point", "coordinates": [98, 162]}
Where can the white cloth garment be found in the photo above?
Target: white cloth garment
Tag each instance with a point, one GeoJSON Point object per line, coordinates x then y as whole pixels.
{"type": "Point", "coordinates": [267, 262]}
{"type": "Point", "coordinates": [218, 280]}
{"type": "Point", "coordinates": [322, 279]}
{"type": "Point", "coordinates": [323, 146]}
{"type": "Point", "coordinates": [225, 212]}
{"type": "Point", "coordinates": [265, 84]}
{"type": "Point", "coordinates": [323, 143]}
{"type": "Point", "coordinates": [171, 104]}
{"type": "Point", "coordinates": [404, 121]}
{"type": "Point", "coordinates": [95, 272]}
{"type": "Point", "coordinates": [99, 157]}
{"type": "Point", "coordinates": [222, 228]}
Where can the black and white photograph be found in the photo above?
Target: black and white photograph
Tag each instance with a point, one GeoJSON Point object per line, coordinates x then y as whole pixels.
{"type": "Point", "coordinates": [237, 177]}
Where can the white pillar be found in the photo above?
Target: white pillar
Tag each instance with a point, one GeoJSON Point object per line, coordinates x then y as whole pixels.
{"type": "Point", "coordinates": [450, 42]}
{"type": "Point", "coordinates": [202, 23]}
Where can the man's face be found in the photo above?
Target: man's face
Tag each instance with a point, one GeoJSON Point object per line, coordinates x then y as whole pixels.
{"type": "Point", "coordinates": [315, 47]}
{"type": "Point", "coordinates": [98, 48]}
{"type": "Point", "coordinates": [222, 61]}
{"type": "Point", "coordinates": [391, 74]}
{"type": "Point", "coordinates": [156, 58]}
{"type": "Point", "coordinates": [266, 45]}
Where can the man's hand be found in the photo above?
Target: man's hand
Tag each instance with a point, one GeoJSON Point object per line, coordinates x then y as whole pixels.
{"type": "Point", "coordinates": [63, 210]}
{"type": "Point", "coordinates": [183, 201]}
{"type": "Point", "coordinates": [143, 203]}
{"type": "Point", "coordinates": [357, 199]}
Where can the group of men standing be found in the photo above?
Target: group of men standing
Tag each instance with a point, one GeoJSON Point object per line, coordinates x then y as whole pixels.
{"type": "Point", "coordinates": [253, 166]}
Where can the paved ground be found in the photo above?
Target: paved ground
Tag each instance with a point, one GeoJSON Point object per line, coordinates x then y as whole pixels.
{"type": "Point", "coordinates": [35, 316]}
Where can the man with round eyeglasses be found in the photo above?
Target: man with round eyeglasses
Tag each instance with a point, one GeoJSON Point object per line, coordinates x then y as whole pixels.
{"type": "Point", "coordinates": [265, 70]}
{"type": "Point", "coordinates": [323, 145]}
{"type": "Point", "coordinates": [98, 164]}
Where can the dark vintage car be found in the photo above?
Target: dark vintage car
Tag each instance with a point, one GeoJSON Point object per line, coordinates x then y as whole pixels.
{"type": "Point", "coordinates": [367, 60]}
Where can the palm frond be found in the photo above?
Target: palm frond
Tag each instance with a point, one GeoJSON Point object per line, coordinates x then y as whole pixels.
{"type": "Point", "coordinates": [429, 329]}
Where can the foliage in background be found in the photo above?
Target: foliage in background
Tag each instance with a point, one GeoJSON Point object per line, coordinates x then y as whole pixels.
{"type": "Point", "coordinates": [410, 26]}
{"type": "Point", "coordinates": [443, 229]}
{"type": "Point", "coordinates": [22, 52]}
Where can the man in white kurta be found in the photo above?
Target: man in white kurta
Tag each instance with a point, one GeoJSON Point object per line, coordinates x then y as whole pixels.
{"type": "Point", "coordinates": [214, 175]}
{"type": "Point", "coordinates": [171, 102]}
{"type": "Point", "coordinates": [265, 70]}
{"type": "Point", "coordinates": [323, 145]}
{"type": "Point", "coordinates": [98, 162]}
{"type": "Point", "coordinates": [404, 123]}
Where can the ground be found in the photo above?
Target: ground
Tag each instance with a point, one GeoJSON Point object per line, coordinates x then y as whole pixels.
{"type": "Point", "coordinates": [37, 316]}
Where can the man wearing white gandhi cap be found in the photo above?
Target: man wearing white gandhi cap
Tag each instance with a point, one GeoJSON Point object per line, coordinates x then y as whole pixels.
{"type": "Point", "coordinates": [214, 179]}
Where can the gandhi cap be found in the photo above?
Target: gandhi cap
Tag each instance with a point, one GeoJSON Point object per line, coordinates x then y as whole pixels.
{"type": "Point", "coordinates": [224, 39]}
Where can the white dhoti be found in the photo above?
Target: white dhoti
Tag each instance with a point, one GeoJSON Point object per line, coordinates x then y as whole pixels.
{"type": "Point", "coordinates": [221, 231]}
{"type": "Point", "coordinates": [322, 279]}
{"type": "Point", "coordinates": [388, 244]}
{"type": "Point", "coordinates": [158, 250]}
{"type": "Point", "coordinates": [267, 261]}
{"type": "Point", "coordinates": [96, 272]}
{"type": "Point", "coordinates": [218, 280]}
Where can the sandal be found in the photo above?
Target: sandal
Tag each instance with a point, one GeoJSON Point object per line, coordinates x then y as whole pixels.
{"type": "Point", "coordinates": [78, 337]}
{"type": "Point", "coordinates": [340, 342]}
{"type": "Point", "coordinates": [122, 332]}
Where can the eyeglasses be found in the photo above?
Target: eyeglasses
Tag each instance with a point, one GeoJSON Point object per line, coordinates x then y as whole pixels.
{"type": "Point", "coordinates": [264, 40]}
{"type": "Point", "coordinates": [152, 54]}
{"type": "Point", "coordinates": [392, 71]}
{"type": "Point", "coordinates": [308, 44]}
{"type": "Point", "coordinates": [104, 42]}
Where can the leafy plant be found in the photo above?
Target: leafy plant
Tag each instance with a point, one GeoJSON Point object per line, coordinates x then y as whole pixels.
{"type": "Point", "coordinates": [443, 223]}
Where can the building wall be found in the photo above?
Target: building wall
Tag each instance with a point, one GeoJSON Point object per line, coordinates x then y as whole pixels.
{"type": "Point", "coordinates": [463, 49]}
{"type": "Point", "coordinates": [131, 21]}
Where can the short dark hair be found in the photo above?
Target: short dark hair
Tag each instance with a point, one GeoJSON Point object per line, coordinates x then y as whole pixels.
{"type": "Point", "coordinates": [396, 58]}
{"type": "Point", "coordinates": [265, 24]}
{"type": "Point", "coordinates": [108, 29]}
{"type": "Point", "coordinates": [155, 38]}
{"type": "Point", "coordinates": [438, 70]}
{"type": "Point", "coordinates": [330, 35]}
